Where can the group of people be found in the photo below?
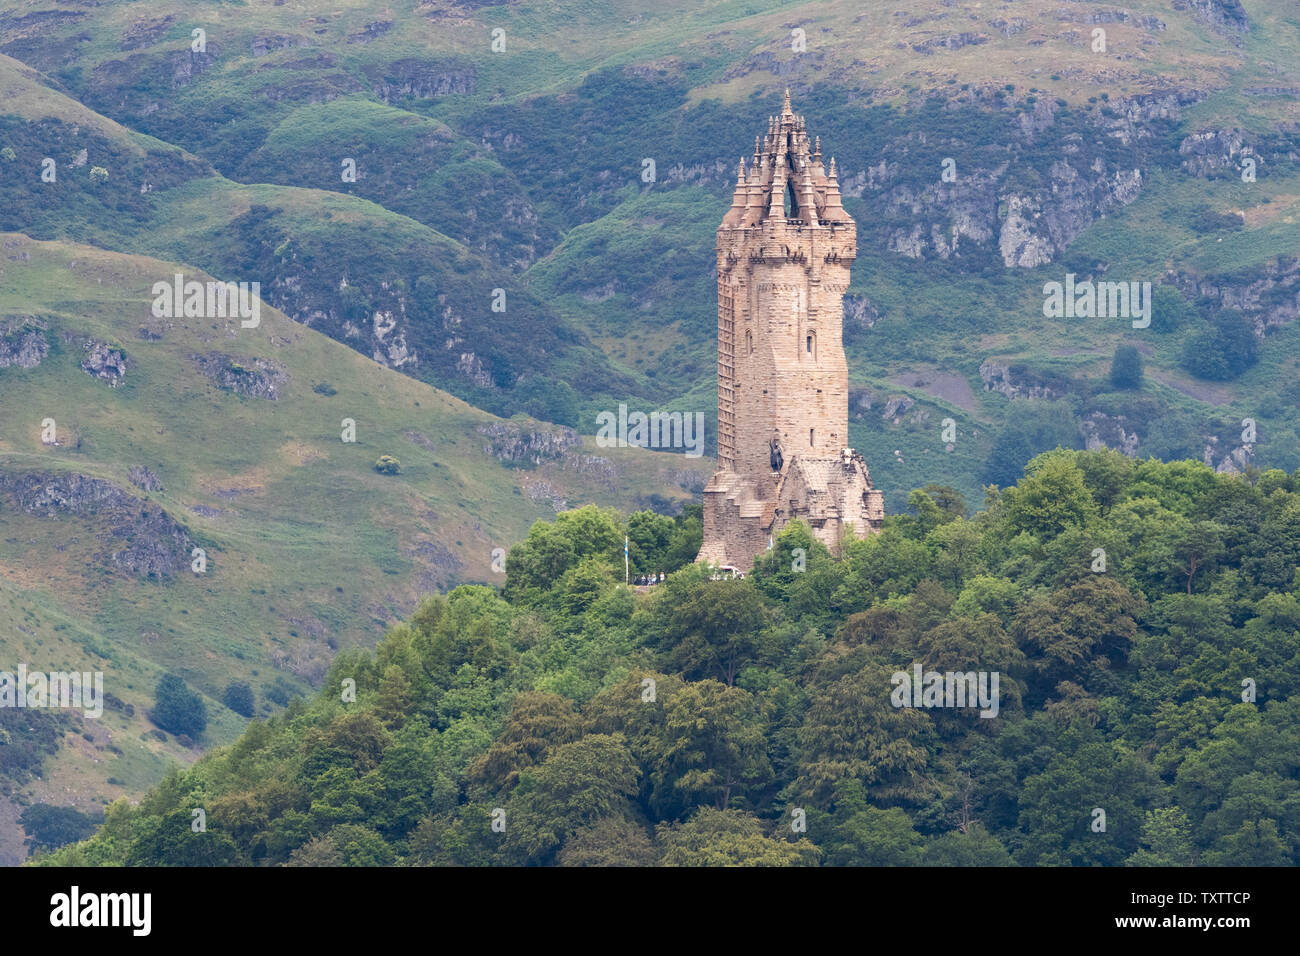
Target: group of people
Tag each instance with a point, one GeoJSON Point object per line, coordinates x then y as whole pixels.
{"type": "Point", "coordinates": [647, 579]}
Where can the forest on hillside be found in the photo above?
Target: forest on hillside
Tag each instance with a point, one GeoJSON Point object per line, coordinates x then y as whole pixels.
{"type": "Point", "coordinates": [1142, 616]}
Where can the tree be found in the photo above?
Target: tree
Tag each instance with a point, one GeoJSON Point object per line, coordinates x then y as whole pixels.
{"type": "Point", "coordinates": [851, 731]}
{"type": "Point", "coordinates": [875, 837]}
{"type": "Point", "coordinates": [1169, 310]}
{"type": "Point", "coordinates": [1223, 349]}
{"type": "Point", "coordinates": [388, 465]}
{"type": "Point", "coordinates": [1037, 426]}
{"type": "Point", "coordinates": [975, 847]}
{"type": "Point", "coordinates": [714, 630]}
{"type": "Point", "coordinates": [1198, 548]}
{"type": "Point", "coordinates": [1126, 368]}
{"type": "Point", "coordinates": [610, 841]}
{"type": "Point", "coordinates": [729, 838]}
{"type": "Point", "coordinates": [1166, 839]}
{"type": "Point", "coordinates": [1050, 498]}
{"type": "Point", "coordinates": [239, 698]}
{"type": "Point", "coordinates": [49, 827]}
{"type": "Point", "coordinates": [538, 723]}
{"type": "Point", "coordinates": [712, 748]}
{"type": "Point", "coordinates": [177, 709]}
{"type": "Point", "coordinates": [579, 784]}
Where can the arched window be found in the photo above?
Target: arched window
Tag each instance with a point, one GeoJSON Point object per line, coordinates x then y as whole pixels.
{"type": "Point", "coordinates": [749, 342]}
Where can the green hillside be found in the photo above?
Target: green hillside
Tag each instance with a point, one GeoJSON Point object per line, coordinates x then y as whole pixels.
{"type": "Point", "coordinates": [449, 209]}
{"type": "Point", "coordinates": [309, 548]}
{"type": "Point", "coordinates": [1140, 620]}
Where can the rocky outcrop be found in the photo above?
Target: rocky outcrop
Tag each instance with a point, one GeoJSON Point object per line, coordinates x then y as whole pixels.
{"type": "Point", "coordinates": [389, 347]}
{"type": "Point", "coordinates": [1109, 431]}
{"type": "Point", "coordinates": [277, 41]}
{"type": "Point", "coordinates": [422, 79]}
{"type": "Point", "coordinates": [1206, 152]}
{"type": "Point", "coordinates": [104, 362]}
{"type": "Point", "coordinates": [1267, 295]}
{"type": "Point", "coordinates": [254, 377]}
{"type": "Point", "coordinates": [595, 467]}
{"type": "Point", "coordinates": [539, 491]}
{"type": "Point", "coordinates": [146, 32]}
{"type": "Point", "coordinates": [22, 341]}
{"type": "Point", "coordinates": [860, 311]}
{"type": "Point", "coordinates": [1226, 16]}
{"type": "Point", "coordinates": [144, 478]}
{"type": "Point", "coordinates": [896, 407]}
{"type": "Point", "coordinates": [371, 31]}
{"type": "Point", "coordinates": [146, 541]}
{"type": "Point", "coordinates": [520, 445]}
{"type": "Point", "coordinates": [955, 41]}
{"type": "Point", "coordinates": [1017, 381]}
{"type": "Point", "coordinates": [1232, 462]}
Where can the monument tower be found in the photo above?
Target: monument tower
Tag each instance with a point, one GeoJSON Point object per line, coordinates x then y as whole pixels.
{"type": "Point", "coordinates": [784, 252]}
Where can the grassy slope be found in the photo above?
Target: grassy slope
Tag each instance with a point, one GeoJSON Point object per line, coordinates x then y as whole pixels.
{"type": "Point", "coordinates": [310, 549]}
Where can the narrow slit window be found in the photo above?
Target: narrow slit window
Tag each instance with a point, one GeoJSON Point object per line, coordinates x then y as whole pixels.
{"type": "Point", "coordinates": [812, 434]}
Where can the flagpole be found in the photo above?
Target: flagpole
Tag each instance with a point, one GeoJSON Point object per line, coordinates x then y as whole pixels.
{"type": "Point", "coordinates": [625, 560]}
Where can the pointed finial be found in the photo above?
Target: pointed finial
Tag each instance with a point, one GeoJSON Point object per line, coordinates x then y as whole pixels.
{"type": "Point", "coordinates": [785, 106]}
{"type": "Point", "coordinates": [832, 172]}
{"type": "Point", "coordinates": [740, 173]}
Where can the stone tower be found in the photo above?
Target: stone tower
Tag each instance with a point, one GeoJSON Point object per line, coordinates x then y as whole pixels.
{"type": "Point", "coordinates": [784, 252]}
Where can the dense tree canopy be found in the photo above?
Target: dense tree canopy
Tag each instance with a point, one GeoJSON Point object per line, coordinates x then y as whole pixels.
{"type": "Point", "coordinates": [1142, 620]}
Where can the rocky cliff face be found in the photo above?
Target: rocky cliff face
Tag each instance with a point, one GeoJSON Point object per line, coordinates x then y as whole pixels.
{"type": "Point", "coordinates": [22, 341]}
{"type": "Point", "coordinates": [990, 205]}
{"type": "Point", "coordinates": [1269, 296]}
{"type": "Point", "coordinates": [1017, 381]}
{"type": "Point", "coordinates": [422, 79]}
{"type": "Point", "coordinates": [1110, 431]}
{"type": "Point", "coordinates": [254, 377]}
{"type": "Point", "coordinates": [104, 362]}
{"type": "Point", "coordinates": [143, 540]}
{"type": "Point", "coordinates": [519, 445]}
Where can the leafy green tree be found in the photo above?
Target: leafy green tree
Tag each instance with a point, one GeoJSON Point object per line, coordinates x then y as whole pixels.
{"type": "Point", "coordinates": [579, 784]}
{"type": "Point", "coordinates": [729, 838]}
{"type": "Point", "coordinates": [534, 565]}
{"type": "Point", "coordinates": [537, 724]}
{"type": "Point", "coordinates": [1050, 498]}
{"type": "Point", "coordinates": [610, 841]}
{"type": "Point", "coordinates": [1254, 843]}
{"type": "Point", "coordinates": [650, 536]}
{"type": "Point", "coordinates": [973, 847]}
{"type": "Point", "coordinates": [1169, 310]}
{"type": "Point", "coordinates": [875, 837]}
{"type": "Point", "coordinates": [49, 827]}
{"type": "Point", "coordinates": [1126, 368]}
{"type": "Point", "coordinates": [239, 698]}
{"type": "Point", "coordinates": [1069, 632]}
{"type": "Point", "coordinates": [177, 709]}
{"type": "Point", "coordinates": [1223, 349]}
{"type": "Point", "coordinates": [1166, 839]}
{"type": "Point", "coordinates": [852, 732]}
{"type": "Point", "coordinates": [713, 629]}
{"type": "Point", "coordinates": [712, 748]}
